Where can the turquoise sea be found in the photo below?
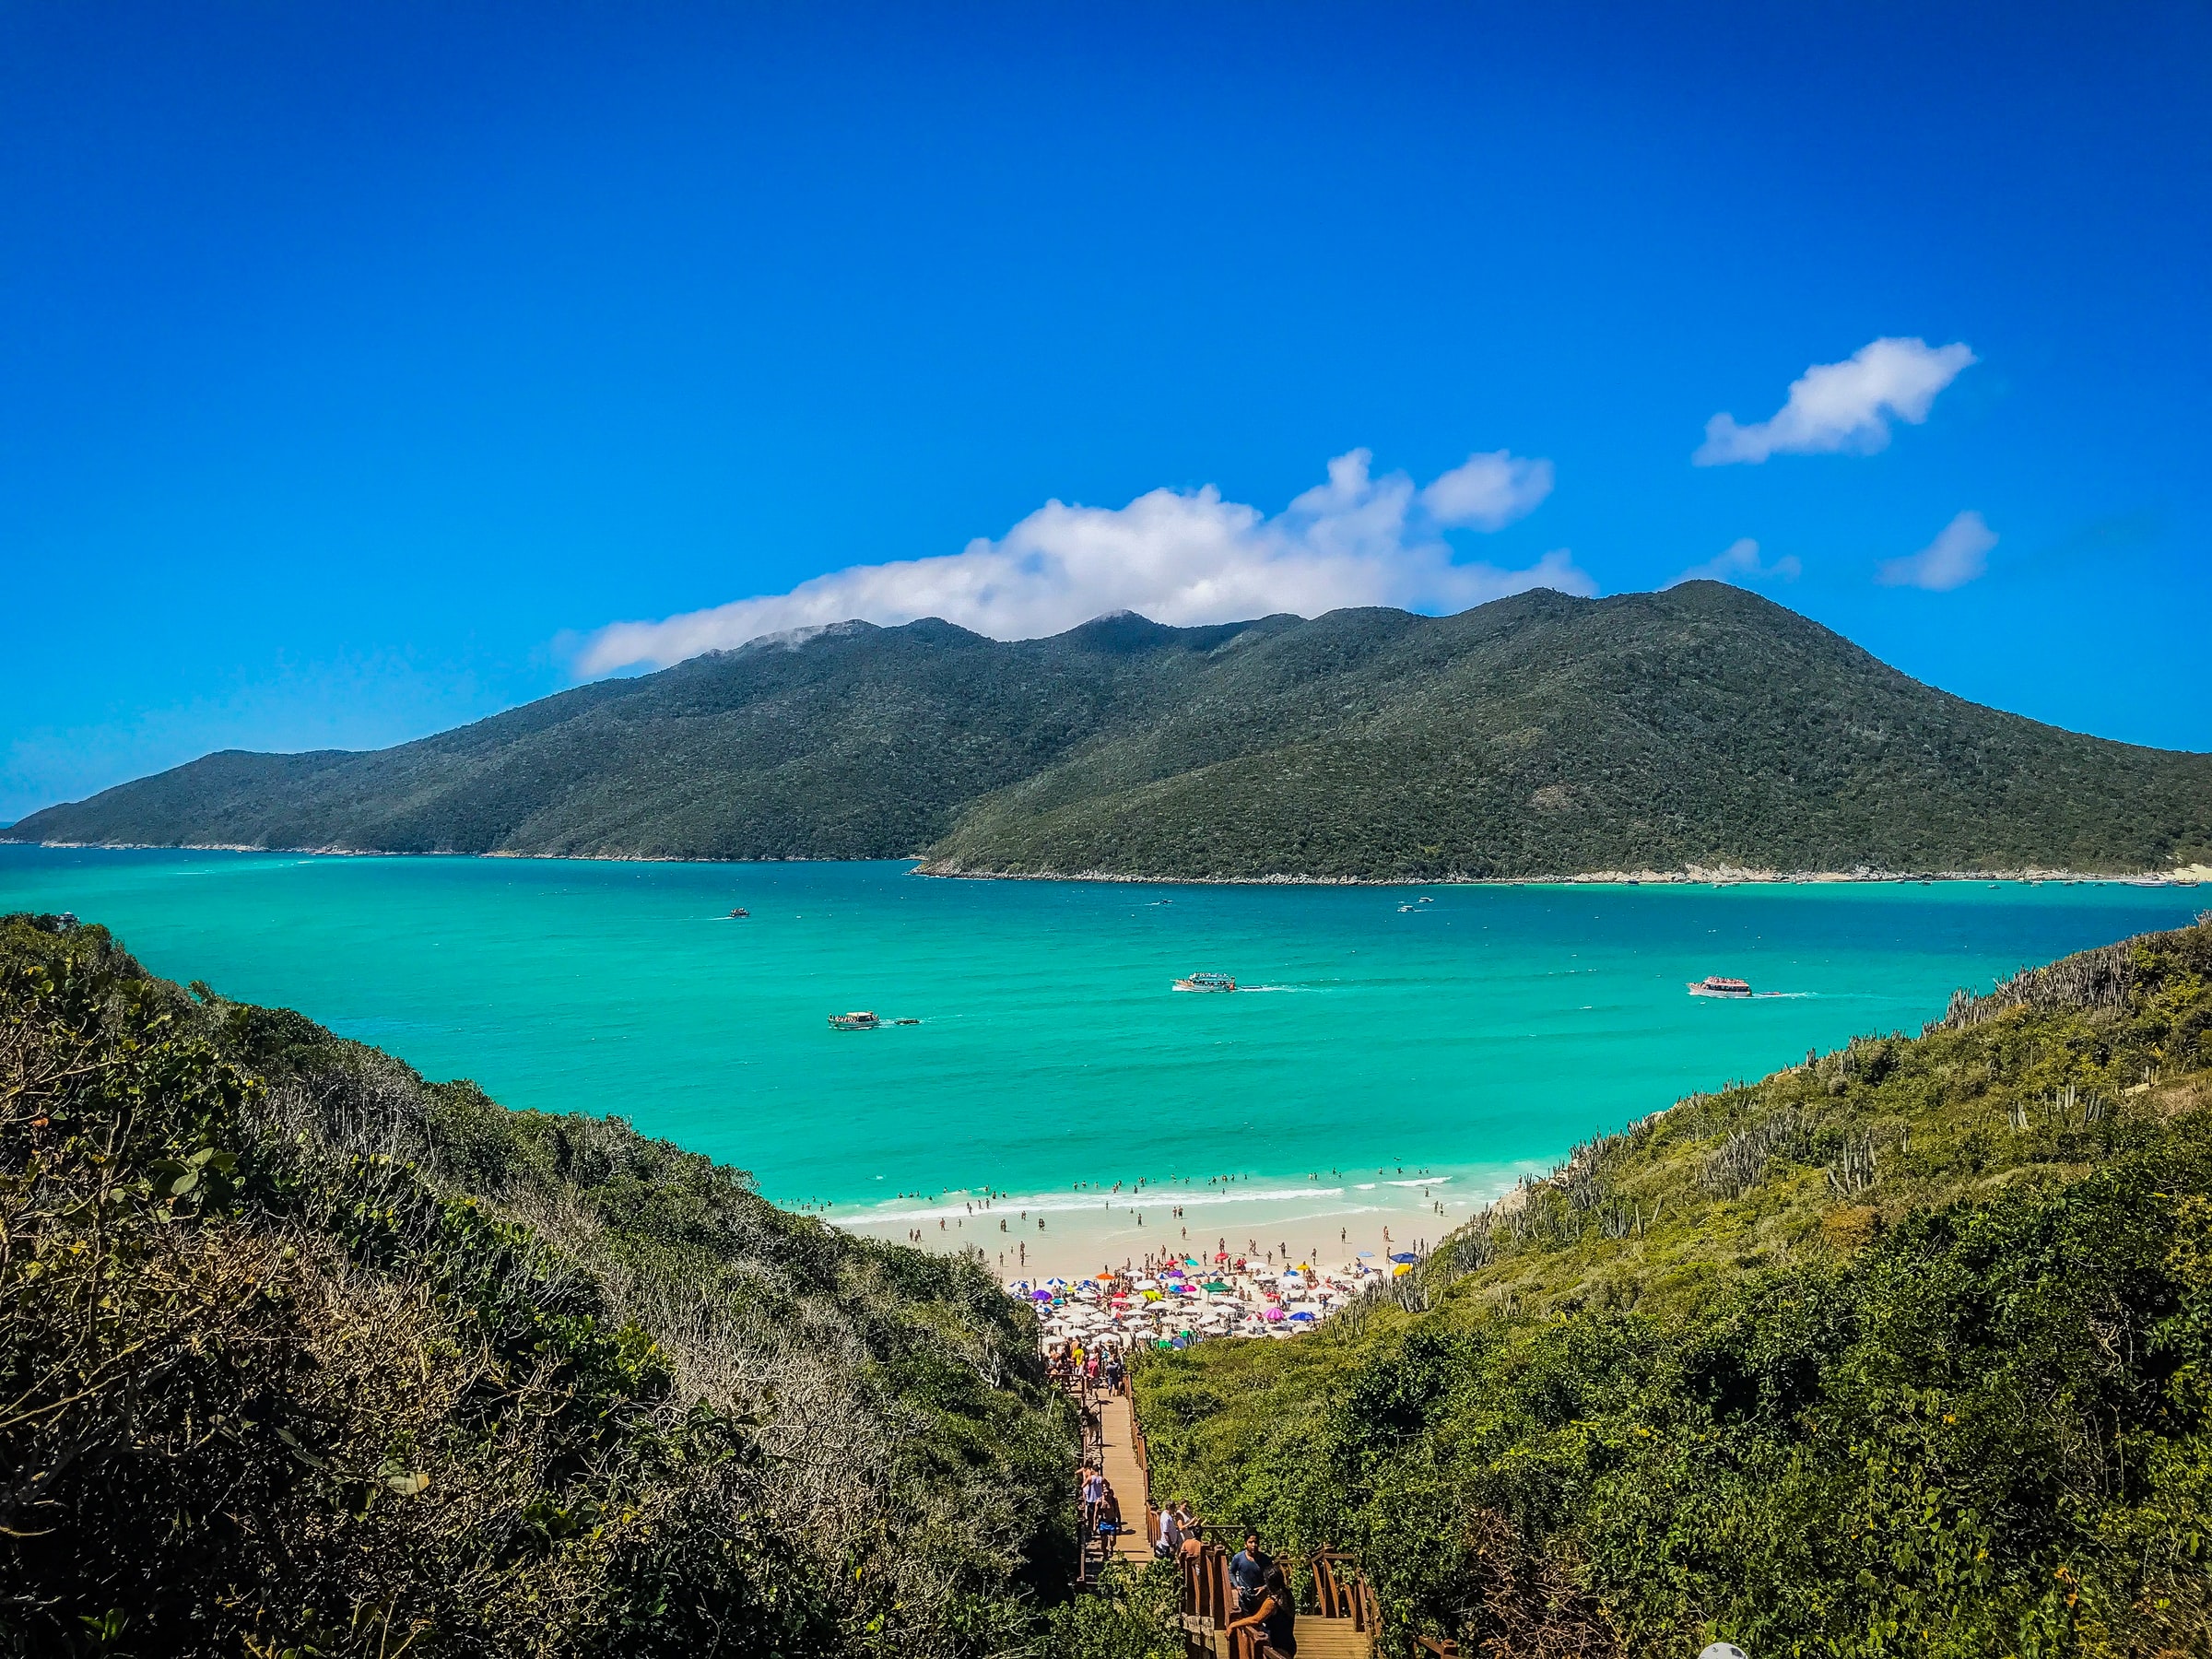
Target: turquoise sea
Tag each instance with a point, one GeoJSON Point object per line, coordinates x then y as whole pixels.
{"type": "Point", "coordinates": [1485, 1030]}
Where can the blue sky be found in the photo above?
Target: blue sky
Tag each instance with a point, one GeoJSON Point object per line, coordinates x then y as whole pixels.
{"type": "Point", "coordinates": [363, 365]}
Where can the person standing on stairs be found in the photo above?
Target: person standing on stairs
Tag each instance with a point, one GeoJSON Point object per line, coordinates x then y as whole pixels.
{"type": "Point", "coordinates": [1275, 1616]}
{"type": "Point", "coordinates": [1248, 1571]}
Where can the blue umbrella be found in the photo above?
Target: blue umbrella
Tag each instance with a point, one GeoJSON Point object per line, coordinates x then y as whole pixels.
{"type": "Point", "coordinates": [1408, 1256]}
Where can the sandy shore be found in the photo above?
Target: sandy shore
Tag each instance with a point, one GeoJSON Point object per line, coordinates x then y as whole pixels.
{"type": "Point", "coordinates": [1332, 1218]}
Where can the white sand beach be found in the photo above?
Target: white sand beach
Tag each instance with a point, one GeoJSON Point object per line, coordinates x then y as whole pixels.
{"type": "Point", "coordinates": [1331, 1218]}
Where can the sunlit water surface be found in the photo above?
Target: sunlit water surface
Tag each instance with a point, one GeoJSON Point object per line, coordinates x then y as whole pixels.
{"type": "Point", "coordinates": [1480, 1032]}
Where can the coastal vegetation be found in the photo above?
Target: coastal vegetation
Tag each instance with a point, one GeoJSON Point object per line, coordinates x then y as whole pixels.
{"type": "Point", "coordinates": [1903, 1350]}
{"type": "Point", "coordinates": [303, 1354]}
{"type": "Point", "coordinates": [1539, 735]}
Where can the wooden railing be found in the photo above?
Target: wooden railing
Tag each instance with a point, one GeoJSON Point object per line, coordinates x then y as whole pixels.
{"type": "Point", "coordinates": [1091, 1554]}
{"type": "Point", "coordinates": [1341, 1590]}
{"type": "Point", "coordinates": [1207, 1601]}
{"type": "Point", "coordinates": [1143, 1464]}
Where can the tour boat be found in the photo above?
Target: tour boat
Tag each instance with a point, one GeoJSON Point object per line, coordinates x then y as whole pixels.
{"type": "Point", "coordinates": [1712, 984]}
{"type": "Point", "coordinates": [1207, 981]}
{"type": "Point", "coordinates": [858, 1020]}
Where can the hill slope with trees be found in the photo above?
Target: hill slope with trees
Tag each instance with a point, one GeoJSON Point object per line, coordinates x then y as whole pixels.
{"type": "Point", "coordinates": [1905, 1350]}
{"type": "Point", "coordinates": [1541, 734]}
{"type": "Point", "coordinates": [305, 1355]}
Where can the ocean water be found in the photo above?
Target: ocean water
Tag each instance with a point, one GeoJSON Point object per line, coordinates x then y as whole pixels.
{"type": "Point", "coordinates": [1481, 1032]}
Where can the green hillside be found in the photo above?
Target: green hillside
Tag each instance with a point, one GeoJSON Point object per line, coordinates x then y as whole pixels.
{"type": "Point", "coordinates": [303, 1355]}
{"type": "Point", "coordinates": [1906, 1351]}
{"type": "Point", "coordinates": [1540, 735]}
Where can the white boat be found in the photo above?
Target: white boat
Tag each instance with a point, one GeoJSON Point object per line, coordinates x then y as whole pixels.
{"type": "Point", "coordinates": [1713, 984]}
{"type": "Point", "coordinates": [1207, 981]}
{"type": "Point", "coordinates": [860, 1019]}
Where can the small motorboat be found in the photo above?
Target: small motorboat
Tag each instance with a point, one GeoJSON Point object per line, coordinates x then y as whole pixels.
{"type": "Point", "coordinates": [910, 1020]}
{"type": "Point", "coordinates": [1713, 984]}
{"type": "Point", "coordinates": [739, 916]}
{"type": "Point", "coordinates": [860, 1019]}
{"type": "Point", "coordinates": [1207, 981]}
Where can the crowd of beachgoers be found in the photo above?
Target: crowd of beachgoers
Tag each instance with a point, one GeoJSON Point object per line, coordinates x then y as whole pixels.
{"type": "Point", "coordinates": [1173, 1300]}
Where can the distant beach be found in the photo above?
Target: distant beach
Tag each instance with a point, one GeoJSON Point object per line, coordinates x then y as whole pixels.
{"type": "Point", "coordinates": [1331, 1218]}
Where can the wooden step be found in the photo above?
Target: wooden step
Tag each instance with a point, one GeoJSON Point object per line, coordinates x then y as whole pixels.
{"type": "Point", "coordinates": [1333, 1639]}
{"type": "Point", "coordinates": [1118, 1445]}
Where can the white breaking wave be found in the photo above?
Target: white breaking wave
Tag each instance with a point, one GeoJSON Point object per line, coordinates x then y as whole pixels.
{"type": "Point", "coordinates": [1068, 1203]}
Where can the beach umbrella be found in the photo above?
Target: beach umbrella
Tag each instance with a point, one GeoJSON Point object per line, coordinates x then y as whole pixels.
{"type": "Point", "coordinates": [1406, 1255]}
{"type": "Point", "coordinates": [1303, 1315]}
{"type": "Point", "coordinates": [1215, 1286]}
{"type": "Point", "coordinates": [1400, 1269]}
{"type": "Point", "coordinates": [1271, 1314]}
{"type": "Point", "coordinates": [1057, 1284]}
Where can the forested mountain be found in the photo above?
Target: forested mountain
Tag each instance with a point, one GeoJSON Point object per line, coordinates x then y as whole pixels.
{"type": "Point", "coordinates": [1905, 1350]}
{"type": "Point", "coordinates": [305, 1354]}
{"type": "Point", "coordinates": [1540, 735]}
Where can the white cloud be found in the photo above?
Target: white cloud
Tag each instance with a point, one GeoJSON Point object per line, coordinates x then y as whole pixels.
{"type": "Point", "coordinates": [1488, 492]}
{"type": "Point", "coordinates": [1844, 405]}
{"type": "Point", "coordinates": [1180, 557]}
{"type": "Point", "coordinates": [1954, 559]}
{"type": "Point", "coordinates": [1739, 562]}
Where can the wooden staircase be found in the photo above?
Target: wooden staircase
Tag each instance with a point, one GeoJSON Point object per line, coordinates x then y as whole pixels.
{"type": "Point", "coordinates": [1341, 1626]}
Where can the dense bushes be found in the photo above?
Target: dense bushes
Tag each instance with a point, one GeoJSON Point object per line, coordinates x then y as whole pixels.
{"type": "Point", "coordinates": [1971, 1421]}
{"type": "Point", "coordinates": [304, 1356]}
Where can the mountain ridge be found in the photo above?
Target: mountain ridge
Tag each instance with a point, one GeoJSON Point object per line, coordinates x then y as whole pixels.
{"type": "Point", "coordinates": [1541, 736]}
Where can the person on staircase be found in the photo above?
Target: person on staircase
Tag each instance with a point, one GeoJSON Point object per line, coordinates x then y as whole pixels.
{"type": "Point", "coordinates": [1274, 1616]}
{"type": "Point", "coordinates": [1110, 1525]}
{"type": "Point", "coordinates": [1248, 1571]}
